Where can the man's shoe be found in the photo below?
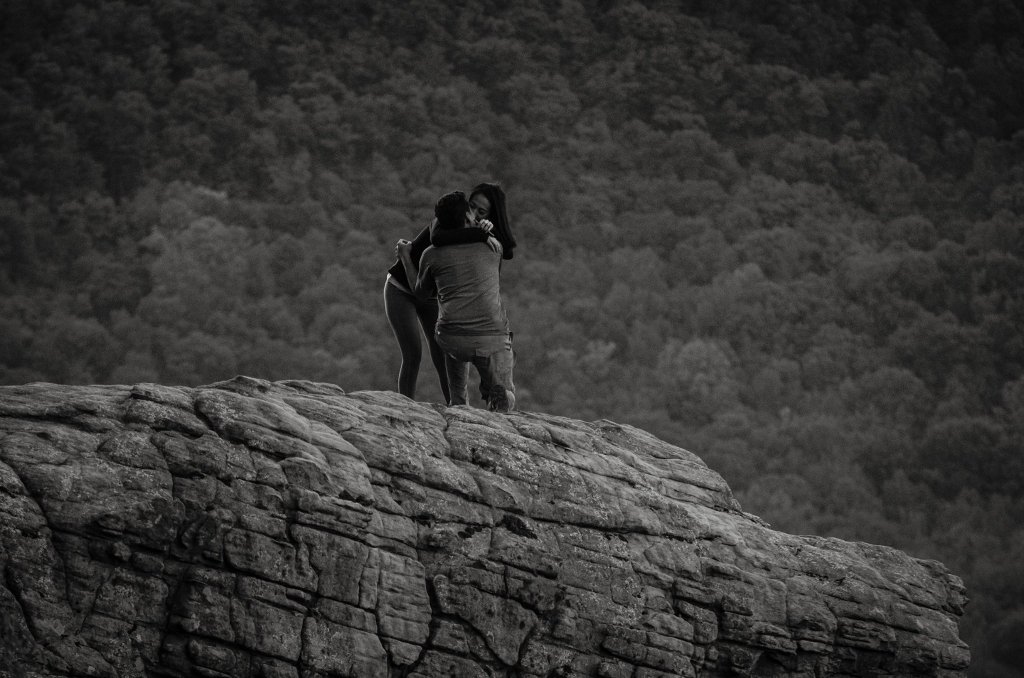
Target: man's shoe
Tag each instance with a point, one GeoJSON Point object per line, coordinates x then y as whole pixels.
{"type": "Point", "coordinates": [501, 399]}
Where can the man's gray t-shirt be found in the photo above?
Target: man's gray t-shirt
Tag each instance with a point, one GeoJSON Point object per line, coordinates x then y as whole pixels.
{"type": "Point", "coordinates": [465, 278]}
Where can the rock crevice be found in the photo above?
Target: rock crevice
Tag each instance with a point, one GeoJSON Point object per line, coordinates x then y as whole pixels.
{"type": "Point", "coordinates": [287, 529]}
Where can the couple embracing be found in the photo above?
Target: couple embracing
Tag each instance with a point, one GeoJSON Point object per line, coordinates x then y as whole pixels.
{"type": "Point", "coordinates": [446, 281]}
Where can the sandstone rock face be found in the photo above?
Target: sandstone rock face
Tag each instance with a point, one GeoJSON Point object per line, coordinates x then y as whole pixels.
{"type": "Point", "coordinates": [290, 529]}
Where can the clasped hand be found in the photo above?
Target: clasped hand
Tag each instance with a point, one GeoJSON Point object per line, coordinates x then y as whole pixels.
{"type": "Point", "coordinates": [488, 227]}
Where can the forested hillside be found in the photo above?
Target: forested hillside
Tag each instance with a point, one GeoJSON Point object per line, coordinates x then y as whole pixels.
{"type": "Point", "coordinates": [788, 236]}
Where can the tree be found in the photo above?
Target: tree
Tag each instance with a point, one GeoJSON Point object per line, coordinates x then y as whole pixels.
{"type": "Point", "coordinates": [72, 350]}
{"type": "Point", "coordinates": [932, 346]}
{"type": "Point", "coordinates": [781, 253]}
{"type": "Point", "coordinates": [701, 257]}
{"type": "Point", "coordinates": [198, 357]}
{"type": "Point", "coordinates": [697, 379]}
{"type": "Point", "coordinates": [890, 394]}
{"type": "Point", "coordinates": [970, 452]}
{"type": "Point", "coordinates": [198, 271]}
{"type": "Point", "coordinates": [214, 113]}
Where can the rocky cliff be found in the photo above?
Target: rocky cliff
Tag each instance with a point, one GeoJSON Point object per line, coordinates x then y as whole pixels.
{"type": "Point", "coordinates": [290, 529]}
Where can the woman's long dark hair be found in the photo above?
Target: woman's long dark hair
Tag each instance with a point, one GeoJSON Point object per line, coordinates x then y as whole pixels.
{"type": "Point", "coordinates": [498, 216]}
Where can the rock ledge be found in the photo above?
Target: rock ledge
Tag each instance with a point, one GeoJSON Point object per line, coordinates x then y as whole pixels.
{"type": "Point", "coordinates": [287, 529]}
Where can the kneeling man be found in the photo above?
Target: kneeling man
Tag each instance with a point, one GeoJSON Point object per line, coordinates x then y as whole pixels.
{"type": "Point", "coordinates": [472, 326]}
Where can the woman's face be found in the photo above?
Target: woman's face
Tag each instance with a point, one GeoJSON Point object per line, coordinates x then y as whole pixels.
{"type": "Point", "coordinates": [479, 206]}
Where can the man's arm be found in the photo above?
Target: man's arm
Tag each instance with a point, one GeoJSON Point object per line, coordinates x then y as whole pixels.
{"type": "Point", "coordinates": [482, 232]}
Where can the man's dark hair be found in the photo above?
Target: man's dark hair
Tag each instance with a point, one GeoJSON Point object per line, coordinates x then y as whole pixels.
{"type": "Point", "coordinates": [451, 209]}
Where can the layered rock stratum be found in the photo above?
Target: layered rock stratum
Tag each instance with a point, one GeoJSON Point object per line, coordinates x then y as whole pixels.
{"type": "Point", "coordinates": [288, 529]}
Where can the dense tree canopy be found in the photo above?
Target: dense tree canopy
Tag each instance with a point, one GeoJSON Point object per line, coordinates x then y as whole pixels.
{"type": "Point", "coordinates": [786, 235]}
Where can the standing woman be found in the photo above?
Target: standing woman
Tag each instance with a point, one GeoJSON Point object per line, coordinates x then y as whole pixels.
{"type": "Point", "coordinates": [486, 204]}
{"type": "Point", "coordinates": [411, 317]}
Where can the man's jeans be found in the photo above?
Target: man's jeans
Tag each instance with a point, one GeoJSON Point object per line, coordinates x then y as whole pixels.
{"type": "Point", "coordinates": [491, 355]}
